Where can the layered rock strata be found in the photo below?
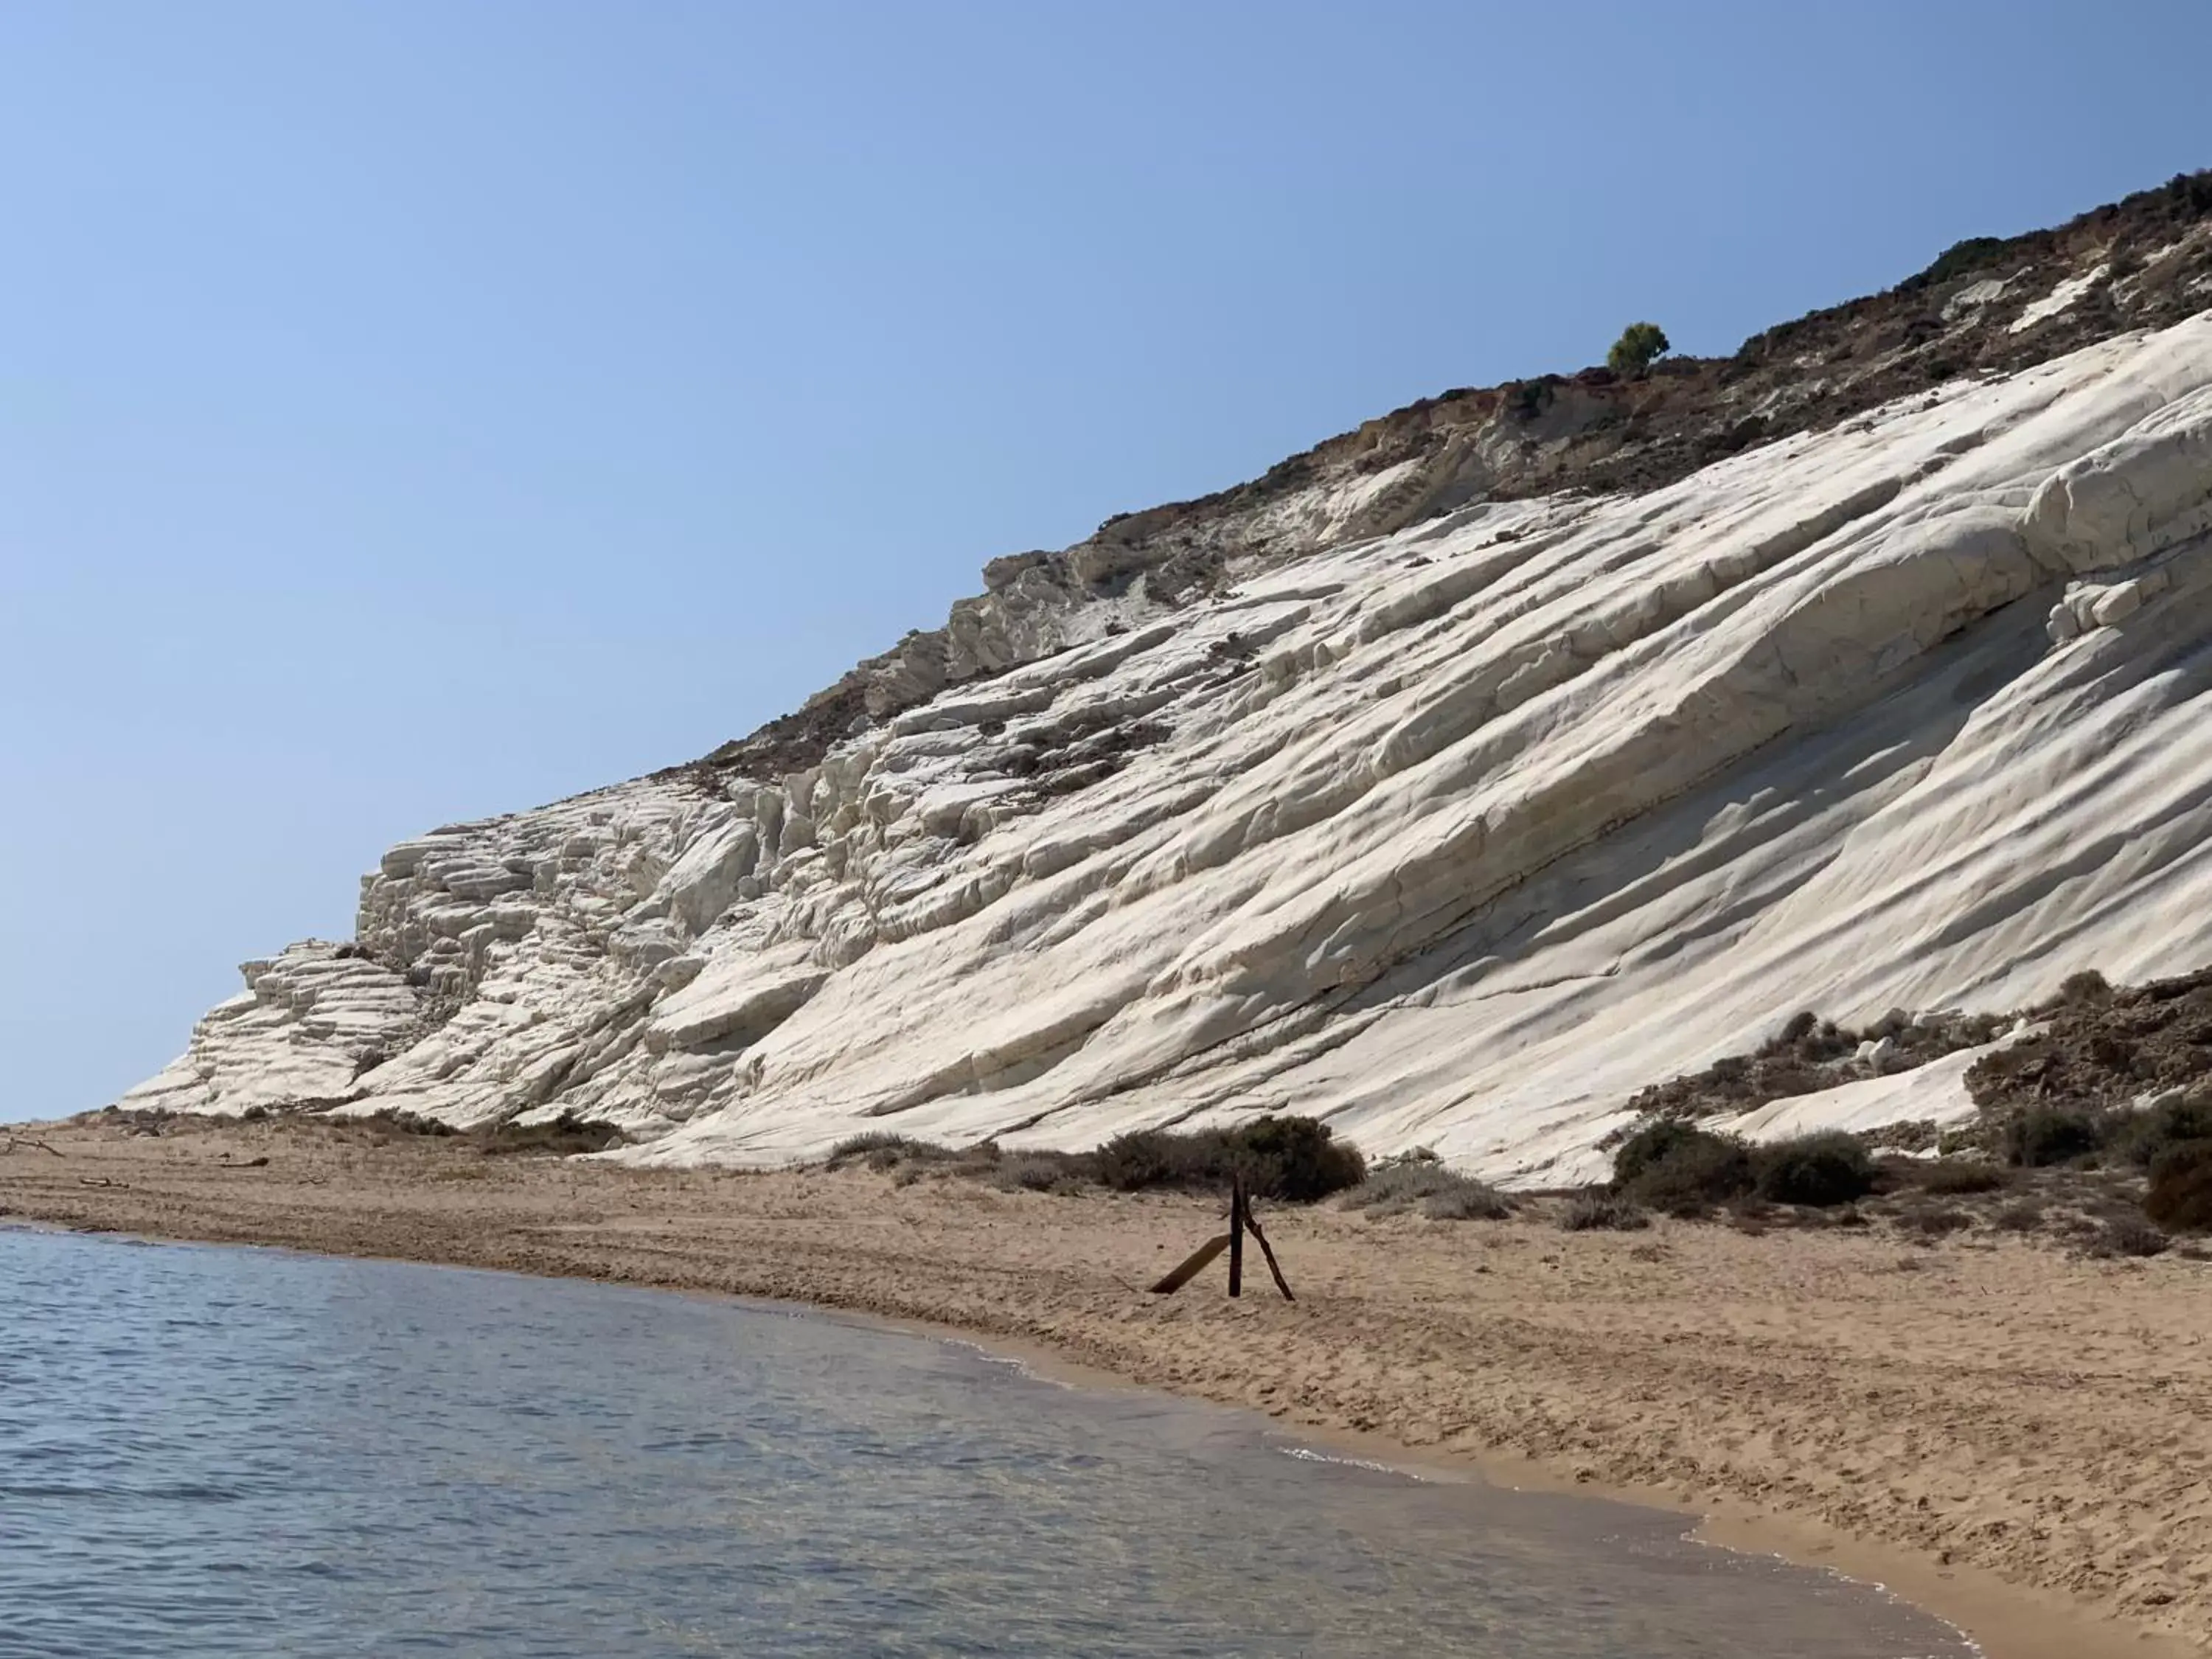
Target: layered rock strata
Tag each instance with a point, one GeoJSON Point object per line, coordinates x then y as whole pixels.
{"type": "Point", "coordinates": [1447, 811]}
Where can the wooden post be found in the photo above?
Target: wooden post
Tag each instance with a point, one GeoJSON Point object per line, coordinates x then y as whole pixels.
{"type": "Point", "coordinates": [1236, 1235]}
{"type": "Point", "coordinates": [1261, 1238]}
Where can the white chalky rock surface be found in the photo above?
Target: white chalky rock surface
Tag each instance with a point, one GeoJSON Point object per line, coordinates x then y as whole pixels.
{"type": "Point", "coordinates": [1455, 836]}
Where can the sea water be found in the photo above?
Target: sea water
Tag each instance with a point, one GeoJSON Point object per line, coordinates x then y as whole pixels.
{"type": "Point", "coordinates": [218, 1453]}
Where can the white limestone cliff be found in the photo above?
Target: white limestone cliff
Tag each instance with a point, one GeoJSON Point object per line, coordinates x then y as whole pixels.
{"type": "Point", "coordinates": [1454, 829]}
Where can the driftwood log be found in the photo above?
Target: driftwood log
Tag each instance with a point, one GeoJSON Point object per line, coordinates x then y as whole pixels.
{"type": "Point", "coordinates": [1192, 1266]}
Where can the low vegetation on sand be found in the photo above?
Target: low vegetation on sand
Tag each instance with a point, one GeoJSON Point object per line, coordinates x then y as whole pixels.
{"type": "Point", "coordinates": [1294, 1160]}
{"type": "Point", "coordinates": [2180, 1195]}
{"type": "Point", "coordinates": [2099, 1107]}
{"type": "Point", "coordinates": [2102, 1183]}
{"type": "Point", "coordinates": [2093, 1203]}
{"type": "Point", "coordinates": [563, 1136]}
{"type": "Point", "coordinates": [1684, 1170]}
{"type": "Point", "coordinates": [1419, 1182]}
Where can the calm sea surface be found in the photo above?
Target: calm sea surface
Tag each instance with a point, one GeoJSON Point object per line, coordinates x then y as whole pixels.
{"type": "Point", "coordinates": [214, 1453]}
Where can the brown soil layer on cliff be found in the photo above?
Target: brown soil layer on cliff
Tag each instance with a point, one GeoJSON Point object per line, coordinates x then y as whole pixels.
{"type": "Point", "coordinates": [2001, 1411]}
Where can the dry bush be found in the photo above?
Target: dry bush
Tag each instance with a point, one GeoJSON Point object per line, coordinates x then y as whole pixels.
{"type": "Point", "coordinates": [1933, 1220]}
{"type": "Point", "coordinates": [562, 1137]}
{"type": "Point", "coordinates": [1595, 1209]}
{"type": "Point", "coordinates": [2180, 1195]}
{"type": "Point", "coordinates": [881, 1151]}
{"type": "Point", "coordinates": [1954, 1178]}
{"type": "Point", "coordinates": [1036, 1172]}
{"type": "Point", "coordinates": [1440, 1193]}
{"type": "Point", "coordinates": [2133, 1235]}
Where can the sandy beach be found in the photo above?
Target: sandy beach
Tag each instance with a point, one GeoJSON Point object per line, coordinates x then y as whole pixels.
{"type": "Point", "coordinates": [2012, 1436]}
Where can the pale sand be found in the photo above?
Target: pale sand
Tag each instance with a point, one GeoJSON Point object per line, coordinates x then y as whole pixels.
{"type": "Point", "coordinates": [2014, 1439]}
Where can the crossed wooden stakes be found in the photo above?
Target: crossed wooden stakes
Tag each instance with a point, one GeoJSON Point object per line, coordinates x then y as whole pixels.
{"type": "Point", "coordinates": [1241, 1221]}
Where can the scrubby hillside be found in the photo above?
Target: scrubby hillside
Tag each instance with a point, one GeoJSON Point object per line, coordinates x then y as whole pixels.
{"type": "Point", "coordinates": [1454, 781]}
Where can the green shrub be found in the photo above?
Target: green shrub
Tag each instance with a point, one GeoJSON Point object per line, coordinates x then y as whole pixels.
{"type": "Point", "coordinates": [2143, 1137]}
{"type": "Point", "coordinates": [1526, 399]}
{"type": "Point", "coordinates": [1652, 1145]}
{"type": "Point", "coordinates": [2043, 1135]}
{"type": "Point", "coordinates": [1680, 1168]}
{"type": "Point", "coordinates": [1975, 253]}
{"type": "Point", "coordinates": [1293, 1159]}
{"type": "Point", "coordinates": [1640, 345]}
{"type": "Point", "coordinates": [1296, 1160]}
{"type": "Point", "coordinates": [1143, 1157]}
{"type": "Point", "coordinates": [2180, 1194]}
{"type": "Point", "coordinates": [1819, 1170]}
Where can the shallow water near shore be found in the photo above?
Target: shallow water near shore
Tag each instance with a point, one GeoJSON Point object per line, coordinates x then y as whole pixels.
{"type": "Point", "coordinates": [214, 1453]}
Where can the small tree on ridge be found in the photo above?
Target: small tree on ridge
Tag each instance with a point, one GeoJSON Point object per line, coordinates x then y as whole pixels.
{"type": "Point", "coordinates": [1640, 344]}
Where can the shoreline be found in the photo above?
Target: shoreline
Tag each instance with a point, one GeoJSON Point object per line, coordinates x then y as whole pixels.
{"type": "Point", "coordinates": [2003, 1620]}
{"type": "Point", "coordinates": [1382, 1358]}
{"type": "Point", "coordinates": [1996, 1603]}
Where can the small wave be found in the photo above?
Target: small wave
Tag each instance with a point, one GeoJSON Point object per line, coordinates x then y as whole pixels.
{"type": "Point", "coordinates": [991, 1357]}
{"type": "Point", "coordinates": [1837, 1574]}
{"type": "Point", "coordinates": [1308, 1455]}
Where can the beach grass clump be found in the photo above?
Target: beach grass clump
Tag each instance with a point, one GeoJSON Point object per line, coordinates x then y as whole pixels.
{"type": "Point", "coordinates": [1420, 1181]}
{"type": "Point", "coordinates": [1954, 1178]}
{"type": "Point", "coordinates": [1467, 1200]}
{"type": "Point", "coordinates": [561, 1137]}
{"type": "Point", "coordinates": [882, 1151]}
{"type": "Point", "coordinates": [1817, 1170]}
{"type": "Point", "coordinates": [1596, 1209]}
{"type": "Point", "coordinates": [1933, 1221]}
{"type": "Point", "coordinates": [1037, 1172]}
{"type": "Point", "coordinates": [2180, 1197]}
{"type": "Point", "coordinates": [387, 1125]}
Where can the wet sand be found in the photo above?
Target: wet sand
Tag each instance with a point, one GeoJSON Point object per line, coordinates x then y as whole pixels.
{"type": "Point", "coordinates": [2015, 1439]}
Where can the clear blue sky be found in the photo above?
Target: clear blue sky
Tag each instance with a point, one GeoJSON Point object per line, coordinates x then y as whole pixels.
{"type": "Point", "coordinates": [411, 411]}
